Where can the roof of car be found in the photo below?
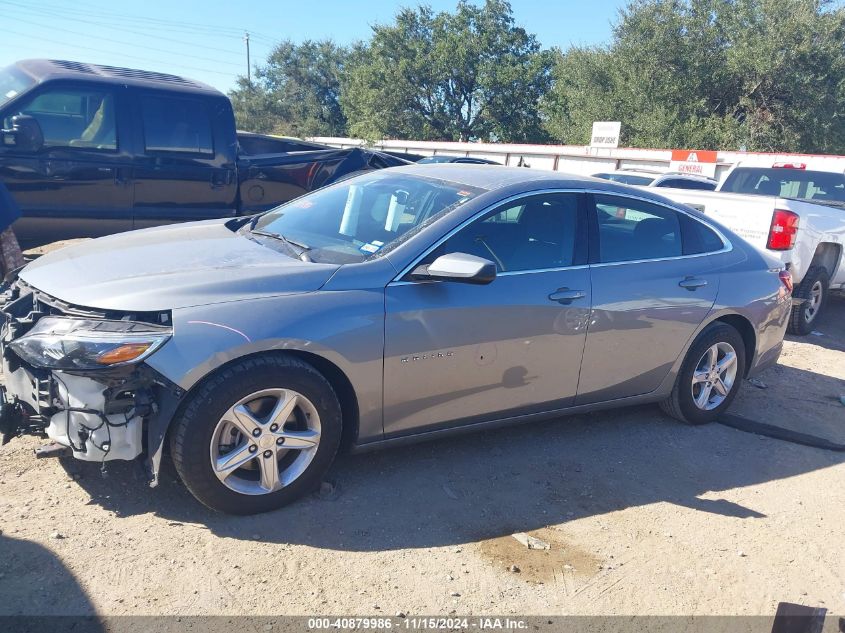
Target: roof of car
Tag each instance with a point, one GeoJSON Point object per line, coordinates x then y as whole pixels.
{"type": "Point", "coordinates": [684, 176]}
{"type": "Point", "coordinates": [634, 172]}
{"type": "Point", "coordinates": [48, 69]}
{"type": "Point", "coordinates": [493, 177]}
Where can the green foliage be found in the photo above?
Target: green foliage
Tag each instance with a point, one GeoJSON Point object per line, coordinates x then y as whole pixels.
{"type": "Point", "coordinates": [468, 75]}
{"type": "Point", "coordinates": [295, 93]}
{"type": "Point", "coordinates": [768, 75]}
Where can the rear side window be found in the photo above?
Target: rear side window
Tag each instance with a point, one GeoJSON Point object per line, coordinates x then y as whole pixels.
{"type": "Point", "coordinates": [821, 186]}
{"type": "Point", "coordinates": [630, 230]}
{"type": "Point", "coordinates": [176, 125]}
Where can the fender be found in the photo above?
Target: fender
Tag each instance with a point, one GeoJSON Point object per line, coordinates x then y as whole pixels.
{"type": "Point", "coordinates": [346, 328]}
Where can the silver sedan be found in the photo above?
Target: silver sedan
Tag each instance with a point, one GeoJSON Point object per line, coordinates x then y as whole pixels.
{"type": "Point", "coordinates": [399, 305]}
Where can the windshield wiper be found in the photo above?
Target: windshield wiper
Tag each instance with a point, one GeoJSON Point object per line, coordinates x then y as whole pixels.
{"type": "Point", "coordinates": [303, 248]}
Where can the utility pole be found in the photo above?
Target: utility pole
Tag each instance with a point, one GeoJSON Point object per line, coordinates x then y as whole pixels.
{"type": "Point", "coordinates": [248, 70]}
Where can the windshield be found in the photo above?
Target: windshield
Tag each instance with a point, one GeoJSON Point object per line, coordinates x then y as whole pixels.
{"type": "Point", "coordinates": [818, 186]}
{"type": "Point", "coordinates": [12, 83]}
{"type": "Point", "coordinates": [626, 179]}
{"type": "Point", "coordinates": [355, 219]}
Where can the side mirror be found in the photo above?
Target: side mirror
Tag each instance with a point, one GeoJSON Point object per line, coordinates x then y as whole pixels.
{"type": "Point", "coordinates": [458, 267]}
{"type": "Point", "coordinates": [24, 135]}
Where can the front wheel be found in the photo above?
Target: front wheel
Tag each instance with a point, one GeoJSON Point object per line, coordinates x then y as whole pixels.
{"type": "Point", "coordinates": [257, 435]}
{"type": "Point", "coordinates": [710, 376]}
{"type": "Point", "coordinates": [813, 289]}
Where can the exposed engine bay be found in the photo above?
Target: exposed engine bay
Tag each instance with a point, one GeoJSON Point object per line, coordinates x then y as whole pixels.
{"type": "Point", "coordinates": [74, 375]}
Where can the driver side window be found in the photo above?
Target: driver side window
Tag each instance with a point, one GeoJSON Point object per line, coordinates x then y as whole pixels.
{"type": "Point", "coordinates": [533, 233]}
{"type": "Point", "coordinates": [73, 117]}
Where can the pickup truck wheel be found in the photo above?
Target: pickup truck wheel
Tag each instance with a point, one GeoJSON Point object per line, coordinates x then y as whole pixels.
{"type": "Point", "coordinates": [813, 289]}
{"type": "Point", "coordinates": [257, 435]}
{"type": "Point", "coordinates": [710, 376]}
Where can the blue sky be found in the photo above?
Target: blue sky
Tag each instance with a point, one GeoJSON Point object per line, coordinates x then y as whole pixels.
{"type": "Point", "coordinates": [203, 39]}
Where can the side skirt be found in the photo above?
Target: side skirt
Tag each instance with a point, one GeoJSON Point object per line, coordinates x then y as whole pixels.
{"type": "Point", "coordinates": [435, 434]}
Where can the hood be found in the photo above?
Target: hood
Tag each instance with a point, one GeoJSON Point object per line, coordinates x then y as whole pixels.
{"type": "Point", "coordinates": [170, 267]}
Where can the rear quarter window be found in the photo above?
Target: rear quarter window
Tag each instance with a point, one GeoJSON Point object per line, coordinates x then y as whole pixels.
{"type": "Point", "coordinates": [698, 237]}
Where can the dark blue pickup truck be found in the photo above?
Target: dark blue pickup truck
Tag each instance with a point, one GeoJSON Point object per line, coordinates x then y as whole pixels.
{"type": "Point", "coordinates": [90, 150]}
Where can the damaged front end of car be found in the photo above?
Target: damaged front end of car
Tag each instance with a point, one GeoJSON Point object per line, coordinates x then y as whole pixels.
{"type": "Point", "coordinates": [76, 376]}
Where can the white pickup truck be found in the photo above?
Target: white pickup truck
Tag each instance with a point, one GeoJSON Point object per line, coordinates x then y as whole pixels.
{"type": "Point", "coordinates": [792, 212]}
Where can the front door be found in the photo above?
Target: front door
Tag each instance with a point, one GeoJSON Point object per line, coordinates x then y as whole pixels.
{"type": "Point", "coordinates": [650, 293]}
{"type": "Point", "coordinates": [79, 183]}
{"type": "Point", "coordinates": [461, 352]}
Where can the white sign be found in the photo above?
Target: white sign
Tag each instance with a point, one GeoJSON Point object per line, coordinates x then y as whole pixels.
{"type": "Point", "coordinates": [605, 134]}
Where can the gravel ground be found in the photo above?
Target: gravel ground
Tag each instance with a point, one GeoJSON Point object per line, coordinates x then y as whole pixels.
{"type": "Point", "coordinates": [643, 516]}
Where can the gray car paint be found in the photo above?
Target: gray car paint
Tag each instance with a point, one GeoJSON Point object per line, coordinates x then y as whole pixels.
{"type": "Point", "coordinates": [223, 310]}
{"type": "Point", "coordinates": [171, 267]}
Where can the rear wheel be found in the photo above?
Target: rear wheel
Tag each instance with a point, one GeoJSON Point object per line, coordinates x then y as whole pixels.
{"type": "Point", "coordinates": [813, 289]}
{"type": "Point", "coordinates": [710, 376]}
{"type": "Point", "coordinates": [258, 435]}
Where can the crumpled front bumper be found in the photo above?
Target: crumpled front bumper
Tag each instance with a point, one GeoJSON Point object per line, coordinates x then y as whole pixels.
{"type": "Point", "coordinates": [73, 411]}
{"type": "Point", "coordinates": [103, 415]}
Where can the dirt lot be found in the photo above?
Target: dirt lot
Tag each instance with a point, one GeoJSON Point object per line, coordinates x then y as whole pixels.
{"type": "Point", "coordinates": [643, 515]}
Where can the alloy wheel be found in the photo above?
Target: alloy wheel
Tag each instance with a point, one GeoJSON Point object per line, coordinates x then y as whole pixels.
{"type": "Point", "coordinates": [714, 376]}
{"type": "Point", "coordinates": [814, 302]}
{"type": "Point", "coordinates": [265, 441]}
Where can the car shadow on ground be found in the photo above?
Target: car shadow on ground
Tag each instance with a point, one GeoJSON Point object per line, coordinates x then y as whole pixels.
{"type": "Point", "coordinates": [34, 580]}
{"type": "Point", "coordinates": [474, 487]}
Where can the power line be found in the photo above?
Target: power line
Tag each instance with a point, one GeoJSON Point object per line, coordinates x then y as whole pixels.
{"type": "Point", "coordinates": [184, 27]}
{"type": "Point", "coordinates": [151, 48]}
{"type": "Point", "coordinates": [145, 34]}
{"type": "Point", "coordinates": [108, 52]}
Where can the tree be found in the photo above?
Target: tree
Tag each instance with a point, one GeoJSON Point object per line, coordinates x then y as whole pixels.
{"type": "Point", "coordinates": [296, 92]}
{"type": "Point", "coordinates": [468, 75]}
{"type": "Point", "coordinates": [768, 75]}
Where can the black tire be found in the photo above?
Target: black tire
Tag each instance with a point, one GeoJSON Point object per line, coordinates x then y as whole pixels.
{"type": "Point", "coordinates": [192, 431]}
{"type": "Point", "coordinates": [800, 322]}
{"type": "Point", "coordinates": [680, 404]}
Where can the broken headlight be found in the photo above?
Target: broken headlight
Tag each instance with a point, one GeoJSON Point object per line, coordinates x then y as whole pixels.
{"type": "Point", "coordinates": [68, 343]}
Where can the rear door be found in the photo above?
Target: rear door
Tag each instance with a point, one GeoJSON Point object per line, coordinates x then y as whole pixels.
{"type": "Point", "coordinates": [185, 169]}
{"type": "Point", "coordinates": [651, 290]}
{"type": "Point", "coordinates": [79, 183]}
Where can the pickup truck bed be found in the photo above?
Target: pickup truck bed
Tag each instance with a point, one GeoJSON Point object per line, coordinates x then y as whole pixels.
{"type": "Point", "coordinates": [815, 258]}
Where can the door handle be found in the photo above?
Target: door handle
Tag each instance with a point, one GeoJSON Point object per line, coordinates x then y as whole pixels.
{"type": "Point", "coordinates": [121, 176]}
{"type": "Point", "coordinates": [220, 180]}
{"type": "Point", "coordinates": [692, 283]}
{"type": "Point", "coordinates": [565, 295]}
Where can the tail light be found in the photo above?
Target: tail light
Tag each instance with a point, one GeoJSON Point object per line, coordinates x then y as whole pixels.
{"type": "Point", "coordinates": [789, 166]}
{"type": "Point", "coordinates": [783, 230]}
{"type": "Point", "coordinates": [786, 280]}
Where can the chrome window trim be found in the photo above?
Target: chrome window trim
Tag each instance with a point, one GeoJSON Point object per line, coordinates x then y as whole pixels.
{"type": "Point", "coordinates": [727, 245]}
{"type": "Point", "coordinates": [509, 273]}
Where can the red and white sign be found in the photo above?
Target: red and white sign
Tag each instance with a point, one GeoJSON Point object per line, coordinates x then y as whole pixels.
{"type": "Point", "coordinates": [699, 162]}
